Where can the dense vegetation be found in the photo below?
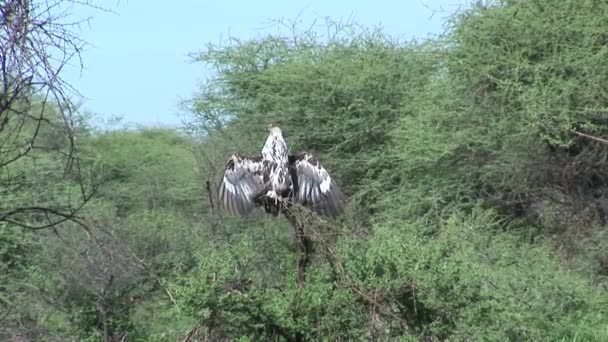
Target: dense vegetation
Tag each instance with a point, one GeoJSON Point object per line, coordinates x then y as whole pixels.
{"type": "Point", "coordinates": [473, 163]}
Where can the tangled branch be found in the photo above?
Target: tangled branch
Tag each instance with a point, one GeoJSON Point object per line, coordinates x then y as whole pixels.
{"type": "Point", "coordinates": [37, 42]}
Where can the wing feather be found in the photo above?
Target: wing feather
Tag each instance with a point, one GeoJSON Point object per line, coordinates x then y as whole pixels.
{"type": "Point", "coordinates": [315, 187]}
{"type": "Point", "coordinates": [242, 182]}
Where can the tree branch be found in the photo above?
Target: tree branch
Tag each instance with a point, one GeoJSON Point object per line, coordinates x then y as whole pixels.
{"type": "Point", "coordinates": [584, 135]}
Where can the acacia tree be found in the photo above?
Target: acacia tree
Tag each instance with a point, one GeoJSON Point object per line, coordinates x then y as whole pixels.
{"type": "Point", "coordinates": [37, 41]}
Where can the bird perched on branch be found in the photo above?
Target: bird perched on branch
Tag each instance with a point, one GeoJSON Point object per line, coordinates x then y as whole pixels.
{"type": "Point", "coordinates": [274, 179]}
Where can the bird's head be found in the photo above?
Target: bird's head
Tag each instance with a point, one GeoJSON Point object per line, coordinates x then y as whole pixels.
{"type": "Point", "coordinates": [274, 131]}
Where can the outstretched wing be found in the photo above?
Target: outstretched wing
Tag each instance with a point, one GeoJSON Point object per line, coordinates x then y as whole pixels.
{"type": "Point", "coordinates": [242, 182]}
{"type": "Point", "coordinates": [313, 187]}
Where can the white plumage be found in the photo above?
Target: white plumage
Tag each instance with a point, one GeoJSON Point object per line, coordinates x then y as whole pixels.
{"type": "Point", "coordinates": [275, 180]}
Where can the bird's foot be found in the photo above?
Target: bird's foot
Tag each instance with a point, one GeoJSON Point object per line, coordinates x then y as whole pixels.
{"type": "Point", "coordinates": [279, 200]}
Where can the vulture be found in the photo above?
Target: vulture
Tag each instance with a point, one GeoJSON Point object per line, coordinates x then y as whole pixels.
{"type": "Point", "coordinates": [276, 180]}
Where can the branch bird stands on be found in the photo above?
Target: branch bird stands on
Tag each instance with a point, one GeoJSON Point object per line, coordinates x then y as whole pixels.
{"type": "Point", "coordinates": [274, 179]}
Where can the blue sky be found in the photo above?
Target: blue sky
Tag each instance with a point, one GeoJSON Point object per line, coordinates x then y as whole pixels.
{"type": "Point", "coordinates": [137, 64]}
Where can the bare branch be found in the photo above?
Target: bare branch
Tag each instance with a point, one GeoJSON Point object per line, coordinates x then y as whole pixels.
{"type": "Point", "coordinates": [38, 40]}
{"type": "Point", "coordinates": [584, 135]}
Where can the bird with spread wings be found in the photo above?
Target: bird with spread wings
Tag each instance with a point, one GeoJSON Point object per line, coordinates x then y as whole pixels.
{"type": "Point", "coordinates": [274, 179]}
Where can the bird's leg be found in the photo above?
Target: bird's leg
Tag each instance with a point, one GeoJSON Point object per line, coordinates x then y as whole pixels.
{"type": "Point", "coordinates": [272, 195]}
{"type": "Point", "coordinates": [281, 200]}
{"type": "Point", "coordinates": [278, 198]}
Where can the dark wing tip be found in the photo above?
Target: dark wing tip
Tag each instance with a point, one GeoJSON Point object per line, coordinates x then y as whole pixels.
{"type": "Point", "coordinates": [332, 203]}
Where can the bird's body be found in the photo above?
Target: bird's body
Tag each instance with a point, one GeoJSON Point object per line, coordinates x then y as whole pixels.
{"type": "Point", "coordinates": [275, 153]}
{"type": "Point", "coordinates": [275, 180]}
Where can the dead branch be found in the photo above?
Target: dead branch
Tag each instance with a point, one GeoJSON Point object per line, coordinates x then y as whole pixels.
{"type": "Point", "coordinates": [304, 244]}
{"type": "Point", "coordinates": [213, 222]}
{"type": "Point", "coordinates": [588, 136]}
{"type": "Point", "coordinates": [193, 332]}
{"type": "Point", "coordinates": [102, 306]}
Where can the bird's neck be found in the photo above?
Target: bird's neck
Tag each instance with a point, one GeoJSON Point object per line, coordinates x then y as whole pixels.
{"type": "Point", "coordinates": [275, 149]}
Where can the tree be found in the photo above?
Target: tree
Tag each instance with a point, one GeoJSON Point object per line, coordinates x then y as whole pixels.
{"type": "Point", "coordinates": [463, 154]}
{"type": "Point", "coordinates": [42, 179]}
{"type": "Point", "coordinates": [37, 41]}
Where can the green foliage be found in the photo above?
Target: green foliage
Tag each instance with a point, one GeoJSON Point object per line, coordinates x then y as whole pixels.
{"type": "Point", "coordinates": [537, 62]}
{"type": "Point", "coordinates": [471, 280]}
{"type": "Point", "coordinates": [462, 150]}
{"type": "Point", "coordinates": [330, 98]}
{"type": "Point", "coordinates": [247, 289]}
{"type": "Point", "coordinates": [477, 211]}
{"type": "Point", "coordinates": [15, 259]}
{"type": "Point", "coordinates": [151, 169]}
